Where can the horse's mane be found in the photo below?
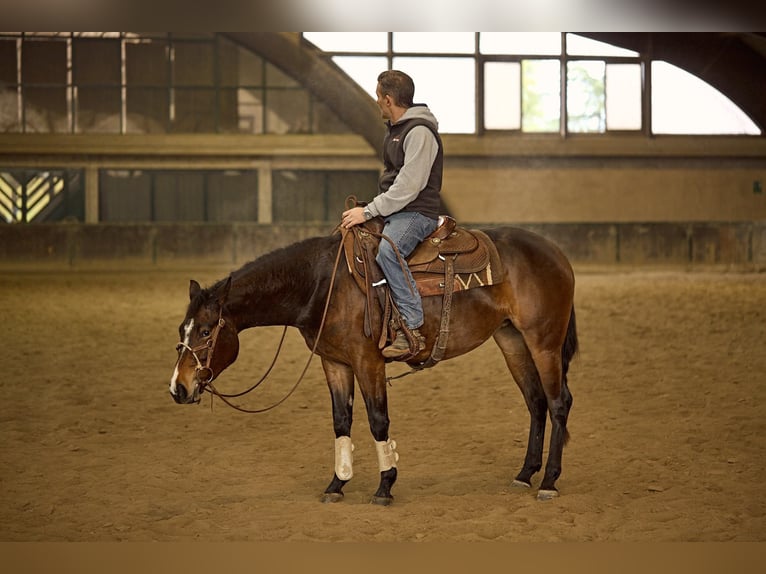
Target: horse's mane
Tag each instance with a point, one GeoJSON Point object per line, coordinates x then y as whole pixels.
{"type": "Point", "coordinates": [301, 264]}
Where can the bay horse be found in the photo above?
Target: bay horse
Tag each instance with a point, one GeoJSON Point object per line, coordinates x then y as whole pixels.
{"type": "Point", "coordinates": [529, 312]}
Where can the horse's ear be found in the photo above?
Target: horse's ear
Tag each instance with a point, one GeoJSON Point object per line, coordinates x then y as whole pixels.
{"type": "Point", "coordinates": [194, 289]}
{"type": "Point", "coordinates": [223, 295]}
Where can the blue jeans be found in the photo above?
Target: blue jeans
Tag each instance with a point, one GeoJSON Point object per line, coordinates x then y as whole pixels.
{"type": "Point", "coordinates": [406, 229]}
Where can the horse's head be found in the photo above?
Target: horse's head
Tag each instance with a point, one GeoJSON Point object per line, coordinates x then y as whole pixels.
{"type": "Point", "coordinates": [208, 344]}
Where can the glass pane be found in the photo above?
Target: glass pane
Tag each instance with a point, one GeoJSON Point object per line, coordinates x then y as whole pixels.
{"type": "Point", "coordinates": [194, 111]}
{"type": "Point", "coordinates": [250, 111]}
{"type": "Point", "coordinates": [45, 110]}
{"type": "Point", "coordinates": [502, 95]}
{"type": "Point", "coordinates": [287, 111]}
{"type": "Point", "coordinates": [527, 43]}
{"type": "Point", "coordinates": [586, 110]}
{"type": "Point", "coordinates": [435, 42]}
{"type": "Point", "coordinates": [98, 110]}
{"type": "Point", "coordinates": [296, 195]}
{"type": "Point", "coordinates": [541, 95]}
{"type": "Point", "coordinates": [684, 104]}
{"type": "Point", "coordinates": [10, 112]}
{"type": "Point", "coordinates": [8, 65]}
{"type": "Point", "coordinates": [349, 41]}
{"type": "Point", "coordinates": [124, 195]}
{"type": "Point", "coordinates": [581, 46]}
{"type": "Point", "coordinates": [193, 64]}
{"type": "Point", "coordinates": [232, 196]}
{"type": "Point", "coordinates": [313, 195]}
{"type": "Point", "coordinates": [324, 120]}
{"type": "Point", "coordinates": [447, 86]}
{"type": "Point", "coordinates": [147, 63]}
{"type": "Point", "coordinates": [276, 78]}
{"type": "Point", "coordinates": [340, 184]}
{"type": "Point", "coordinates": [240, 111]}
{"type": "Point", "coordinates": [96, 61]}
{"type": "Point", "coordinates": [44, 62]}
{"type": "Point", "coordinates": [179, 196]}
{"type": "Point", "coordinates": [363, 70]}
{"type": "Point", "coordinates": [148, 110]}
{"type": "Point", "coordinates": [623, 96]}
{"type": "Point", "coordinates": [239, 67]}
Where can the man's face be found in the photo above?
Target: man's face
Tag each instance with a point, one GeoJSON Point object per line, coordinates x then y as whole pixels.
{"type": "Point", "coordinates": [384, 103]}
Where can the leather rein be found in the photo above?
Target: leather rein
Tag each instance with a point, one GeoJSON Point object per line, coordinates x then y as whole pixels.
{"type": "Point", "coordinates": [206, 383]}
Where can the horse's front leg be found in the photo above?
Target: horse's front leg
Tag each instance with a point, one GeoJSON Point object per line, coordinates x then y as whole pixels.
{"type": "Point", "coordinates": [371, 374]}
{"type": "Point", "coordinates": [340, 380]}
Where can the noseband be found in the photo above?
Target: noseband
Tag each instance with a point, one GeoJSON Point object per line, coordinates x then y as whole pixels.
{"type": "Point", "coordinates": [210, 346]}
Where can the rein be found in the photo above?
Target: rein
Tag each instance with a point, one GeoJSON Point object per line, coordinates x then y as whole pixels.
{"type": "Point", "coordinates": [210, 344]}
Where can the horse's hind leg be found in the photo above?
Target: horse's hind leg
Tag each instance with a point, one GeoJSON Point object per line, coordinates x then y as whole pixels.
{"type": "Point", "coordinates": [340, 380]}
{"type": "Point", "coordinates": [559, 402]}
{"type": "Point", "coordinates": [524, 372]}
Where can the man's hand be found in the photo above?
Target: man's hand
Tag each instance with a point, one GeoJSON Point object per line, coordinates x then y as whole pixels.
{"type": "Point", "coordinates": [351, 217]}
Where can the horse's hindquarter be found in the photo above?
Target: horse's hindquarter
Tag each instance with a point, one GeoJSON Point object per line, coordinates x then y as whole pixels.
{"type": "Point", "coordinates": [538, 278]}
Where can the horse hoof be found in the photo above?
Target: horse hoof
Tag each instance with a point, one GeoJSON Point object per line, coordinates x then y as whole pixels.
{"type": "Point", "coordinates": [547, 494]}
{"type": "Point", "coordinates": [331, 497]}
{"type": "Point", "coordinates": [382, 500]}
{"type": "Point", "coordinates": [521, 484]}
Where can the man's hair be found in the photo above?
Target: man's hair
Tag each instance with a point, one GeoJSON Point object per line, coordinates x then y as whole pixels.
{"type": "Point", "coordinates": [399, 86]}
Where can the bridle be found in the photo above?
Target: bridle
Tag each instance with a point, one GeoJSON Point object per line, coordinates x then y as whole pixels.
{"type": "Point", "coordinates": [209, 344]}
{"type": "Point", "coordinates": [206, 384]}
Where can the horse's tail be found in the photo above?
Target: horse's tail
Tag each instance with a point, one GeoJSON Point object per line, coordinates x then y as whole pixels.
{"type": "Point", "coordinates": [568, 351]}
{"type": "Point", "coordinates": [570, 346]}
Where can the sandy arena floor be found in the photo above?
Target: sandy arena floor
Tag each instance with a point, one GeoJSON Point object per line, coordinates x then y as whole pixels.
{"type": "Point", "coordinates": [667, 427]}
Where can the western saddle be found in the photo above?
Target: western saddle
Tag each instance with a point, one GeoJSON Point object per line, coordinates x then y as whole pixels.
{"type": "Point", "coordinates": [451, 259]}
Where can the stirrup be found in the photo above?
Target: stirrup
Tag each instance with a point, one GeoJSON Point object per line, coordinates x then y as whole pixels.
{"type": "Point", "coordinates": [414, 341]}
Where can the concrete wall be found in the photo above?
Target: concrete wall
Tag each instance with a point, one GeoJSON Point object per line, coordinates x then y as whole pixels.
{"type": "Point", "coordinates": [612, 192]}
{"type": "Point", "coordinates": [737, 245]}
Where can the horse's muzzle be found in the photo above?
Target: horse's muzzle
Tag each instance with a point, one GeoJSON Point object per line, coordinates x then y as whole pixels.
{"type": "Point", "coordinates": [182, 397]}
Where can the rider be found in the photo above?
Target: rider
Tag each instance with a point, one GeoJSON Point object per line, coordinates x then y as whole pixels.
{"type": "Point", "coordinates": [408, 197]}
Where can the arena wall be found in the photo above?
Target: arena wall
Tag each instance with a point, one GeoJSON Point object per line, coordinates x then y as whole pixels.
{"type": "Point", "coordinates": [694, 245]}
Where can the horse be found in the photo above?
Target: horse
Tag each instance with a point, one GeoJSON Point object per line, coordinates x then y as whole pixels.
{"type": "Point", "coordinates": [529, 311]}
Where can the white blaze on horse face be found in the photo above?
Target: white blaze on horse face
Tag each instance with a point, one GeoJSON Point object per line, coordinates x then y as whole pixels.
{"type": "Point", "coordinates": [344, 457]}
{"type": "Point", "coordinates": [187, 338]}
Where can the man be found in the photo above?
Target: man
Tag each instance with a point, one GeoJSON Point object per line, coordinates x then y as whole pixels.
{"type": "Point", "coordinates": [408, 198]}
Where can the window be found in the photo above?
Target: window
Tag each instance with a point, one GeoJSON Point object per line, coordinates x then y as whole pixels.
{"type": "Point", "coordinates": [515, 78]}
{"type": "Point", "coordinates": [178, 195]}
{"type": "Point", "coordinates": [447, 86]}
{"type": "Point", "coordinates": [586, 101]}
{"type": "Point", "coordinates": [502, 95]}
{"type": "Point", "coordinates": [314, 195]}
{"type": "Point", "coordinates": [684, 104]}
{"type": "Point", "coordinates": [124, 82]}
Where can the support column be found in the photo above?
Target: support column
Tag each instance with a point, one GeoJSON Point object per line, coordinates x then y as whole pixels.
{"type": "Point", "coordinates": [91, 194]}
{"type": "Point", "coordinates": [264, 194]}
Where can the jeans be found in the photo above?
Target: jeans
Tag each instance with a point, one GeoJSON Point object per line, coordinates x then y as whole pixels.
{"type": "Point", "coordinates": [406, 230]}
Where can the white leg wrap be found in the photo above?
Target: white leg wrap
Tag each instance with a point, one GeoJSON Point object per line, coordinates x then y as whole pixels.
{"type": "Point", "coordinates": [387, 455]}
{"type": "Point", "coordinates": [344, 457]}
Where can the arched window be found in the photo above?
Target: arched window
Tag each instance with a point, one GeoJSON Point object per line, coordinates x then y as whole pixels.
{"type": "Point", "coordinates": [478, 82]}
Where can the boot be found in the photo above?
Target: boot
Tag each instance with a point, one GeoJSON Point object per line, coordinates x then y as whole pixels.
{"type": "Point", "coordinates": [401, 346]}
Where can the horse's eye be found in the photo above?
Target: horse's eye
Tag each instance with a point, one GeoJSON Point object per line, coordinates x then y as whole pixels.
{"type": "Point", "coordinates": [205, 333]}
